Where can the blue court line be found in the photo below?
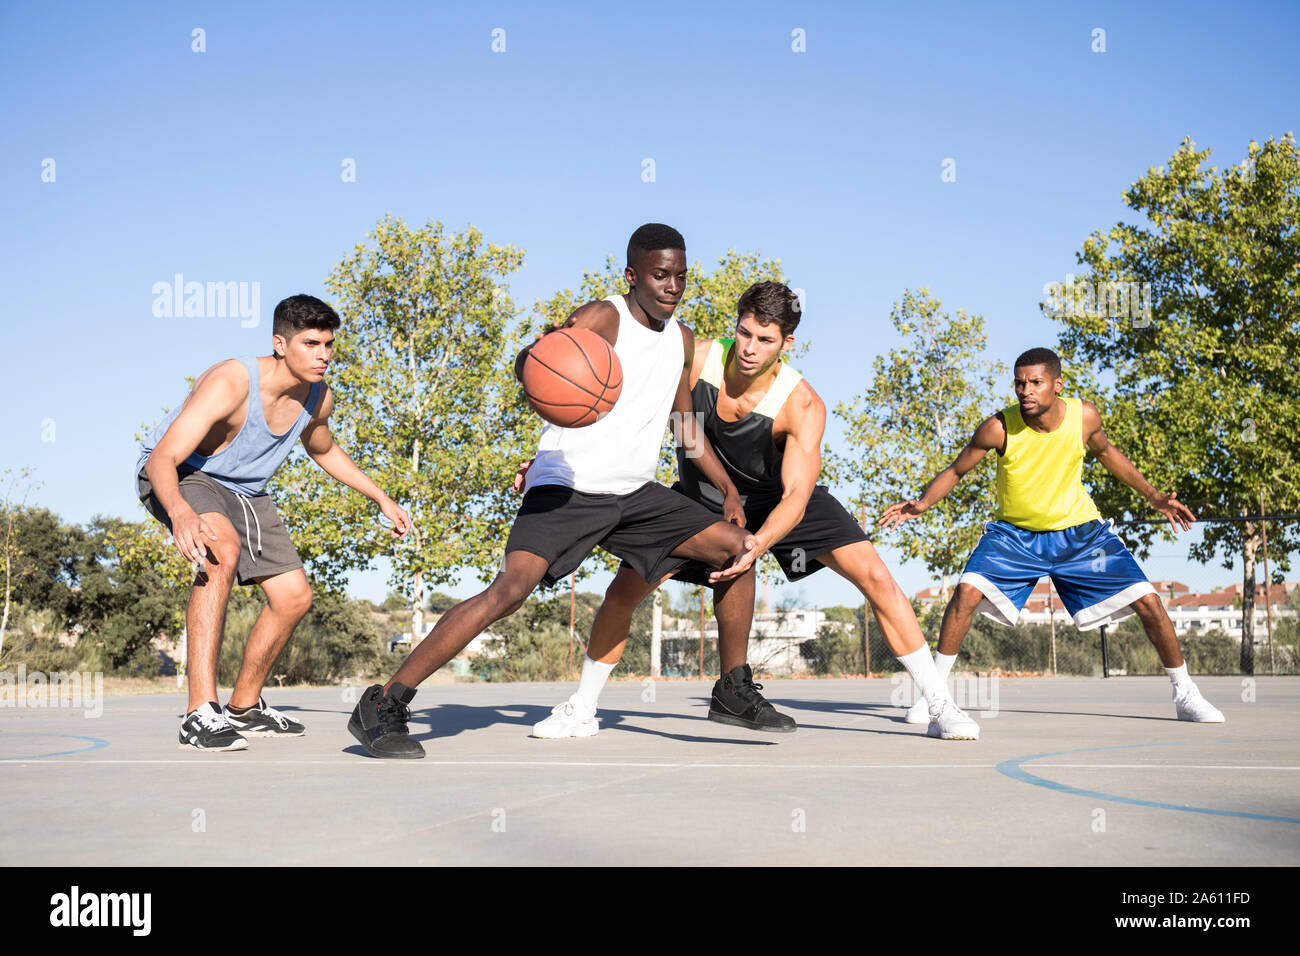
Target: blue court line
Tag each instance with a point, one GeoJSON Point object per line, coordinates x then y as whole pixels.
{"type": "Point", "coordinates": [96, 743]}
{"type": "Point", "coordinates": [1012, 769]}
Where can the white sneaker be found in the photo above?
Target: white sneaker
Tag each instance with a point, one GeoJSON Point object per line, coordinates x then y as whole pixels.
{"type": "Point", "coordinates": [1190, 705]}
{"type": "Point", "coordinates": [918, 713]}
{"type": "Point", "coordinates": [573, 718]}
{"type": "Point", "coordinates": [950, 722]}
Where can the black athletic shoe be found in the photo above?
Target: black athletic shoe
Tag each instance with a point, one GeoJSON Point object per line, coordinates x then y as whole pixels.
{"type": "Point", "coordinates": [206, 728]}
{"type": "Point", "coordinates": [737, 701]}
{"type": "Point", "coordinates": [263, 721]}
{"type": "Point", "coordinates": [379, 723]}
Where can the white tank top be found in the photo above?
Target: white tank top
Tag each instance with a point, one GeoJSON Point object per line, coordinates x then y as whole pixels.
{"type": "Point", "coordinates": [619, 453]}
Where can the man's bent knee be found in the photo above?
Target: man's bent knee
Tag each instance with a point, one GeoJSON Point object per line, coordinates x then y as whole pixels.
{"type": "Point", "coordinates": [508, 595]}
{"type": "Point", "coordinates": [967, 596]}
{"type": "Point", "coordinates": [294, 604]}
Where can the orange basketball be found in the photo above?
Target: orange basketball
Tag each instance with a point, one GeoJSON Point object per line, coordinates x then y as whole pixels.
{"type": "Point", "coordinates": [572, 377]}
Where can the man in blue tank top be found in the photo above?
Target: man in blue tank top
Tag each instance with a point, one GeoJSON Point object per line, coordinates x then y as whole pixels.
{"type": "Point", "coordinates": [203, 473]}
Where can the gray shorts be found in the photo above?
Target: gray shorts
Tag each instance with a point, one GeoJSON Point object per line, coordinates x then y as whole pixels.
{"type": "Point", "coordinates": [265, 548]}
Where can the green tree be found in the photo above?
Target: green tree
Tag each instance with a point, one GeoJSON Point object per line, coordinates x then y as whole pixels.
{"type": "Point", "coordinates": [119, 607]}
{"type": "Point", "coordinates": [426, 404]}
{"type": "Point", "coordinates": [16, 484]}
{"type": "Point", "coordinates": [1196, 315]}
{"type": "Point", "coordinates": [923, 404]}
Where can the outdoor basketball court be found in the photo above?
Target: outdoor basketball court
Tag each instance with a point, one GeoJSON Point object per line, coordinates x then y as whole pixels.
{"type": "Point", "coordinates": [1069, 771]}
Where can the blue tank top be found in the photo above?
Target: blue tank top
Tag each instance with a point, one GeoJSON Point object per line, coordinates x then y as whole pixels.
{"type": "Point", "coordinates": [256, 454]}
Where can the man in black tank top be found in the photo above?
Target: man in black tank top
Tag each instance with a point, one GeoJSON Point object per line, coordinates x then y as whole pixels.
{"type": "Point", "coordinates": [765, 424]}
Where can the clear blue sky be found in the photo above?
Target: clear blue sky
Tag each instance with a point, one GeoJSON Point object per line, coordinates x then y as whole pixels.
{"type": "Point", "coordinates": [225, 166]}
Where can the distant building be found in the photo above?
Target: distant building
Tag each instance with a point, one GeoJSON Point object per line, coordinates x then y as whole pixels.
{"type": "Point", "coordinates": [774, 638]}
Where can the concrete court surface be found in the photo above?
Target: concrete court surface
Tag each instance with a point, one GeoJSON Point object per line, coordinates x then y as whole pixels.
{"type": "Point", "coordinates": [1069, 772]}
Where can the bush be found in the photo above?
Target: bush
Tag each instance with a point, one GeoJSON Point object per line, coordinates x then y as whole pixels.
{"type": "Point", "coordinates": [336, 640]}
{"type": "Point", "coordinates": [533, 643]}
{"type": "Point", "coordinates": [33, 640]}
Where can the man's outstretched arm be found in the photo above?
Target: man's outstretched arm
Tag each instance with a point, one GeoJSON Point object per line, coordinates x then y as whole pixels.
{"type": "Point", "coordinates": [989, 436]}
{"type": "Point", "coordinates": [1179, 515]}
{"type": "Point", "coordinates": [320, 444]}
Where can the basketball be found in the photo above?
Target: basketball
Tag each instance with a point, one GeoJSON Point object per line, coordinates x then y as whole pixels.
{"type": "Point", "coordinates": [572, 377]}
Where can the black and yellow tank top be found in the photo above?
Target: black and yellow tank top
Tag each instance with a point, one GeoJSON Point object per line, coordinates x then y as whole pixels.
{"type": "Point", "coordinates": [745, 447]}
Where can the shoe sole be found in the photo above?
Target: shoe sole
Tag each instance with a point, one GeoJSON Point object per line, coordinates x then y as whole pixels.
{"type": "Point", "coordinates": [581, 733]}
{"type": "Point", "coordinates": [953, 736]}
{"type": "Point", "coordinates": [360, 734]}
{"type": "Point", "coordinates": [270, 733]}
{"type": "Point", "coordinates": [749, 724]}
{"type": "Point", "coordinates": [1193, 720]}
{"type": "Point", "coordinates": [909, 719]}
{"type": "Point", "coordinates": [233, 748]}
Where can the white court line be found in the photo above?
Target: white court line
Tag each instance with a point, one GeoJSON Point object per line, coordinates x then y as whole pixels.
{"type": "Point", "coordinates": [1165, 766]}
{"type": "Point", "coordinates": [201, 762]}
{"type": "Point", "coordinates": [357, 762]}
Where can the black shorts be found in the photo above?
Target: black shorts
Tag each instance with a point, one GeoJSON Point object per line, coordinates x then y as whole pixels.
{"type": "Point", "coordinates": [563, 526]}
{"type": "Point", "coordinates": [826, 525]}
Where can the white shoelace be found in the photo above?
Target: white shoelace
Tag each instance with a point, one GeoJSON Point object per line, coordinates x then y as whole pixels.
{"type": "Point", "coordinates": [209, 719]}
{"type": "Point", "coordinates": [274, 714]}
{"type": "Point", "coordinates": [246, 506]}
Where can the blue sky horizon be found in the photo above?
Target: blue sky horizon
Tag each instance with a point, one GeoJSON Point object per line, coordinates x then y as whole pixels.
{"type": "Point", "coordinates": [818, 134]}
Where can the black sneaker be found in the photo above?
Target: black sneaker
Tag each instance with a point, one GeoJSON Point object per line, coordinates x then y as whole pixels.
{"type": "Point", "coordinates": [206, 728]}
{"type": "Point", "coordinates": [263, 721]}
{"type": "Point", "coordinates": [379, 722]}
{"type": "Point", "coordinates": [737, 701]}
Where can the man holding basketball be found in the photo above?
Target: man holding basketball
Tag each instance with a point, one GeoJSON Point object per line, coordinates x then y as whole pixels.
{"type": "Point", "coordinates": [1047, 524]}
{"type": "Point", "coordinates": [765, 422]}
{"type": "Point", "coordinates": [590, 486]}
{"type": "Point", "coordinates": [203, 473]}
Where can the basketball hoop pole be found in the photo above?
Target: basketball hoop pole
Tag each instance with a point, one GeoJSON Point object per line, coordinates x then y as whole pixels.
{"type": "Point", "coordinates": [1105, 658]}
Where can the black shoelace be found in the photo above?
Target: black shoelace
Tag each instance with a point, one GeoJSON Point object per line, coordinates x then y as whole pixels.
{"type": "Point", "coordinates": [393, 715]}
{"type": "Point", "coordinates": [749, 693]}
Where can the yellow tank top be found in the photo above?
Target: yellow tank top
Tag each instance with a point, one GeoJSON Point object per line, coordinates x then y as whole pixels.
{"type": "Point", "coordinates": [1039, 475]}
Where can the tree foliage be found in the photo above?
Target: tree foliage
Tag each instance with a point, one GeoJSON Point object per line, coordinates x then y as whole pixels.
{"type": "Point", "coordinates": [426, 404]}
{"type": "Point", "coordinates": [1204, 394]}
{"type": "Point", "coordinates": [921, 406]}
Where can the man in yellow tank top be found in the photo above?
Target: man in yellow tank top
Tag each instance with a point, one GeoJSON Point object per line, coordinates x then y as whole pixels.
{"type": "Point", "coordinates": [1047, 525]}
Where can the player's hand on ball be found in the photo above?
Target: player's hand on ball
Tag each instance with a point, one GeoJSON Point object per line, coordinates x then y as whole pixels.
{"type": "Point", "coordinates": [1179, 515]}
{"type": "Point", "coordinates": [520, 475]}
{"type": "Point", "coordinates": [896, 514]}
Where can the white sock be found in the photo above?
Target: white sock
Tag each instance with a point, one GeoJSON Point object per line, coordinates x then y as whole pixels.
{"type": "Point", "coordinates": [592, 682]}
{"type": "Point", "coordinates": [943, 664]}
{"type": "Point", "coordinates": [920, 665]}
{"type": "Point", "coordinates": [1181, 679]}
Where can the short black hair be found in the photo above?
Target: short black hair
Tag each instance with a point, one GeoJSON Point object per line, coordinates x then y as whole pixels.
{"type": "Point", "coordinates": [1044, 357]}
{"type": "Point", "coordinates": [652, 237]}
{"type": "Point", "coordinates": [771, 302]}
{"type": "Point", "coordinates": [302, 311]}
